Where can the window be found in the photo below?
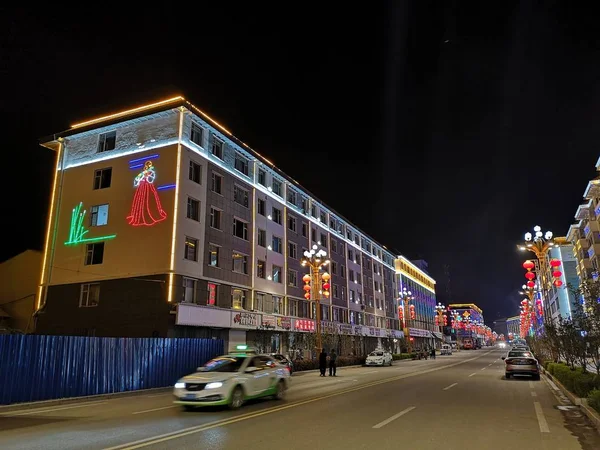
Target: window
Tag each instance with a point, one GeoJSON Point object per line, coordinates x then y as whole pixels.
{"type": "Point", "coordinates": [196, 134]}
{"type": "Point", "coordinates": [215, 218]}
{"type": "Point", "coordinates": [313, 210]}
{"type": "Point", "coordinates": [261, 238]}
{"type": "Point", "coordinates": [260, 206]}
{"type": "Point", "coordinates": [241, 164]}
{"type": "Point", "coordinates": [261, 271]}
{"type": "Point", "coordinates": [213, 255]}
{"type": "Point", "coordinates": [240, 229]}
{"type": "Point", "coordinates": [351, 275]}
{"type": "Point", "coordinates": [292, 278]}
{"type": "Point", "coordinates": [195, 172]}
{"type": "Point", "coordinates": [304, 229]}
{"type": "Point", "coordinates": [350, 254]}
{"type": "Point", "coordinates": [99, 215]}
{"type": "Point", "coordinates": [107, 141]}
{"type": "Point", "coordinates": [240, 263]}
{"type": "Point", "coordinates": [240, 195]}
{"type": "Point", "coordinates": [276, 273]}
{"type": "Point", "coordinates": [313, 233]}
{"type": "Point", "coordinates": [94, 253]}
{"type": "Point", "coordinates": [238, 298]}
{"type": "Point", "coordinates": [292, 223]}
{"type": "Point", "coordinates": [324, 239]}
{"type": "Point", "coordinates": [292, 250]}
{"type": "Point", "coordinates": [333, 245]}
{"type": "Point", "coordinates": [291, 196]}
{"type": "Point", "coordinates": [211, 298]}
{"type": "Point", "coordinates": [191, 249]}
{"type": "Point", "coordinates": [334, 267]}
{"type": "Point", "coordinates": [262, 177]}
{"type": "Point", "coordinates": [276, 215]}
{"type": "Point", "coordinates": [102, 178]}
{"type": "Point", "coordinates": [278, 305]}
{"type": "Point", "coordinates": [276, 186]}
{"type": "Point", "coordinates": [259, 301]}
{"type": "Point", "coordinates": [343, 271]}
{"type": "Point", "coordinates": [217, 183]}
{"type": "Point", "coordinates": [193, 209]}
{"type": "Point", "coordinates": [276, 244]}
{"type": "Point", "coordinates": [332, 223]}
{"type": "Point", "coordinates": [217, 147]}
{"type": "Point", "coordinates": [323, 217]}
{"type": "Point", "coordinates": [89, 295]}
{"type": "Point", "coordinates": [189, 290]}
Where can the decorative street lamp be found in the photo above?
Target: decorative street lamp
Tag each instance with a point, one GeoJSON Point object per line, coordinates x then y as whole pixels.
{"type": "Point", "coordinates": [318, 283]}
{"type": "Point", "coordinates": [406, 311]}
{"type": "Point", "coordinates": [538, 243]}
{"type": "Point", "coordinates": [441, 319]}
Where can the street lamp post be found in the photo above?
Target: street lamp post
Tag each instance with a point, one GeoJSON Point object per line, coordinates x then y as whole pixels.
{"type": "Point", "coordinates": [441, 318]}
{"type": "Point", "coordinates": [405, 298]}
{"type": "Point", "coordinates": [538, 243]}
{"type": "Point", "coordinates": [316, 260]}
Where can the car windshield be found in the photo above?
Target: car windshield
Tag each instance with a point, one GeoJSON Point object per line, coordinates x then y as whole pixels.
{"type": "Point", "coordinates": [223, 364]}
{"type": "Point", "coordinates": [520, 354]}
{"type": "Point", "coordinates": [376, 354]}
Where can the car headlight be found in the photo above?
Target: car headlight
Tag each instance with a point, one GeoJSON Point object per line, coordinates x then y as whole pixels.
{"type": "Point", "coordinates": [179, 385]}
{"type": "Point", "coordinates": [214, 385]}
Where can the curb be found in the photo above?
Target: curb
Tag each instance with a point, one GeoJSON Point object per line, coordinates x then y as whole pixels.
{"type": "Point", "coordinates": [581, 402]}
{"type": "Point", "coordinates": [69, 400]}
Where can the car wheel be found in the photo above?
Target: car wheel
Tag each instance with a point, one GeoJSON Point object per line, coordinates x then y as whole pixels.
{"type": "Point", "coordinates": [237, 398]}
{"type": "Point", "coordinates": [189, 407]}
{"type": "Point", "coordinates": [391, 361]}
{"type": "Point", "coordinates": [536, 377]}
{"type": "Point", "coordinates": [507, 375]}
{"type": "Point", "coordinates": [280, 391]}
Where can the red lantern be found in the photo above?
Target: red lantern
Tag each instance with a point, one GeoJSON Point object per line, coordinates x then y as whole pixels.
{"type": "Point", "coordinates": [554, 262]}
{"type": "Point", "coordinates": [530, 275]}
{"type": "Point", "coordinates": [558, 283]}
{"type": "Point", "coordinates": [445, 320]}
{"type": "Point", "coordinates": [530, 284]}
{"type": "Point", "coordinates": [307, 296]}
{"type": "Point", "coordinates": [523, 302]}
{"type": "Point", "coordinates": [306, 278]}
{"type": "Point", "coordinates": [306, 287]}
{"type": "Point", "coordinates": [556, 274]}
{"type": "Point", "coordinates": [528, 265]}
{"type": "Point", "coordinates": [437, 319]}
{"type": "Point", "coordinates": [326, 286]}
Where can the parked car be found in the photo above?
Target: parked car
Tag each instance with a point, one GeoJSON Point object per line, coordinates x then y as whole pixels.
{"type": "Point", "coordinates": [231, 379]}
{"type": "Point", "coordinates": [379, 358]}
{"type": "Point", "coordinates": [521, 362]}
{"type": "Point", "coordinates": [446, 349]}
{"type": "Point", "coordinates": [284, 360]}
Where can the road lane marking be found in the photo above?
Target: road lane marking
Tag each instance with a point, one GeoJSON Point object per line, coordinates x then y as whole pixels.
{"type": "Point", "coordinates": [30, 412]}
{"type": "Point", "coordinates": [450, 387]}
{"type": "Point", "coordinates": [219, 423]}
{"type": "Point", "coordinates": [533, 394]}
{"type": "Point", "coordinates": [474, 373]}
{"type": "Point", "coordinates": [159, 395]}
{"type": "Point", "coordinates": [394, 417]}
{"type": "Point", "coordinates": [483, 368]}
{"type": "Point", "coordinates": [541, 418]}
{"type": "Point", "coordinates": [489, 365]}
{"type": "Point", "coordinates": [554, 386]}
{"type": "Point", "coordinates": [531, 385]}
{"type": "Point", "coordinates": [370, 371]}
{"type": "Point", "coordinates": [154, 409]}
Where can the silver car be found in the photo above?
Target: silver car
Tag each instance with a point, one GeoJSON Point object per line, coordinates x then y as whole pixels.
{"type": "Point", "coordinates": [521, 362]}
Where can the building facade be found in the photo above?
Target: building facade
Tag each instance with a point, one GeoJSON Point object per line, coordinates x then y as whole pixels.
{"type": "Point", "coordinates": [468, 321]}
{"type": "Point", "coordinates": [560, 301]}
{"type": "Point", "coordinates": [162, 223]}
{"type": "Point", "coordinates": [513, 325]}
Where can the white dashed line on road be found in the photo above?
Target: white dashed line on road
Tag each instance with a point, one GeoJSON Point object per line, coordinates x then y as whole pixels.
{"type": "Point", "coordinates": [394, 417]}
{"type": "Point", "coordinates": [541, 418]}
{"type": "Point", "coordinates": [154, 409]}
{"type": "Point", "coordinates": [533, 394]}
{"type": "Point", "coordinates": [531, 385]}
{"type": "Point", "coordinates": [474, 373]}
{"type": "Point", "coordinates": [449, 387]}
{"type": "Point", "coordinates": [47, 410]}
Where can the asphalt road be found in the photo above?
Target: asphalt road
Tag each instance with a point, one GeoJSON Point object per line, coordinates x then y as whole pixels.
{"type": "Point", "coordinates": [454, 402]}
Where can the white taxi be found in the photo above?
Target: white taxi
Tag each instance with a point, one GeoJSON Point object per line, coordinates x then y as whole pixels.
{"type": "Point", "coordinates": [232, 379]}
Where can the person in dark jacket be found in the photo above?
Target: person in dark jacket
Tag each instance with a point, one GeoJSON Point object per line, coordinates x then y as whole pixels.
{"type": "Point", "coordinates": [323, 362]}
{"type": "Point", "coordinates": [332, 363]}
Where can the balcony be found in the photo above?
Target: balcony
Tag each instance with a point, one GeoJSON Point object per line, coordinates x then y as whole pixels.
{"type": "Point", "coordinates": [591, 227]}
{"type": "Point", "coordinates": [593, 250]}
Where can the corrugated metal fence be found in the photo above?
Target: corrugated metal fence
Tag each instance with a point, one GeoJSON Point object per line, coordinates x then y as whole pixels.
{"type": "Point", "coordinates": [34, 368]}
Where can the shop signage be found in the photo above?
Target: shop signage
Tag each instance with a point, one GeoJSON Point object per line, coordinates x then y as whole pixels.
{"type": "Point", "coordinates": [304, 325]}
{"type": "Point", "coordinates": [328, 327]}
{"type": "Point", "coordinates": [245, 320]}
{"type": "Point", "coordinates": [374, 331]}
{"type": "Point", "coordinates": [417, 332]}
{"type": "Point", "coordinates": [344, 328]}
{"type": "Point", "coordinates": [269, 321]}
{"type": "Point", "coordinates": [202, 316]}
{"type": "Point", "coordinates": [284, 323]}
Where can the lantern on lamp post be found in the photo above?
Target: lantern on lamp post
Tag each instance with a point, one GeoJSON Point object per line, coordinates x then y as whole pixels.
{"type": "Point", "coordinates": [316, 283]}
{"type": "Point", "coordinates": [406, 311]}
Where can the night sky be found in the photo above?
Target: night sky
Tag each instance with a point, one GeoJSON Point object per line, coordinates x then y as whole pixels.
{"type": "Point", "coordinates": [444, 133]}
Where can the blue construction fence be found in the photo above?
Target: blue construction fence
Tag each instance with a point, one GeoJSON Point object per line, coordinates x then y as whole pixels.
{"type": "Point", "coordinates": [34, 367]}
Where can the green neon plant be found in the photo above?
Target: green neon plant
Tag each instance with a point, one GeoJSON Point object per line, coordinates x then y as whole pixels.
{"type": "Point", "coordinates": [77, 230]}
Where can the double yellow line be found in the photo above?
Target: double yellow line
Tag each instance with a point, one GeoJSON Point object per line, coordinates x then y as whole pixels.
{"type": "Point", "coordinates": [219, 423]}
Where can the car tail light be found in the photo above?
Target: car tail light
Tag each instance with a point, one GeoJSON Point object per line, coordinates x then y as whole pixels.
{"type": "Point", "coordinates": [508, 361]}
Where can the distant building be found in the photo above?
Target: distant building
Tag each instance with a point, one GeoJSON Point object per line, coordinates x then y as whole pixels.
{"type": "Point", "coordinates": [20, 276]}
{"type": "Point", "coordinates": [513, 326]}
{"type": "Point", "coordinates": [561, 300]}
{"type": "Point", "coordinates": [499, 326]}
{"type": "Point", "coordinates": [471, 320]}
{"type": "Point", "coordinates": [421, 264]}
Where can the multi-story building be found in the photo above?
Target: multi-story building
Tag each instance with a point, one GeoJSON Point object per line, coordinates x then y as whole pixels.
{"type": "Point", "coordinates": [513, 325]}
{"type": "Point", "coordinates": [162, 223]}
{"type": "Point", "coordinates": [560, 300]}
{"type": "Point", "coordinates": [422, 329]}
{"type": "Point", "coordinates": [500, 328]}
{"type": "Point", "coordinates": [471, 318]}
{"type": "Point", "coordinates": [585, 234]}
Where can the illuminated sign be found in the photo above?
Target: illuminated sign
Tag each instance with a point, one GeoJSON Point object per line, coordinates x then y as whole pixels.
{"type": "Point", "coordinates": [304, 325]}
{"type": "Point", "coordinates": [77, 230]}
{"type": "Point", "coordinates": [146, 209]}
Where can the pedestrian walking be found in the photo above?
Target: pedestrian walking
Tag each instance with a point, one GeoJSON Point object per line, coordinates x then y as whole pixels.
{"type": "Point", "coordinates": [323, 362]}
{"type": "Point", "coordinates": [332, 363]}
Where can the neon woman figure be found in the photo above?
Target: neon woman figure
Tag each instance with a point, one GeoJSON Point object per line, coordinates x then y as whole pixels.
{"type": "Point", "coordinates": [146, 208]}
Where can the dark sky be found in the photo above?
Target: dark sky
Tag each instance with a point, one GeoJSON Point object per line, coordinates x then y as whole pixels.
{"type": "Point", "coordinates": [443, 132]}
